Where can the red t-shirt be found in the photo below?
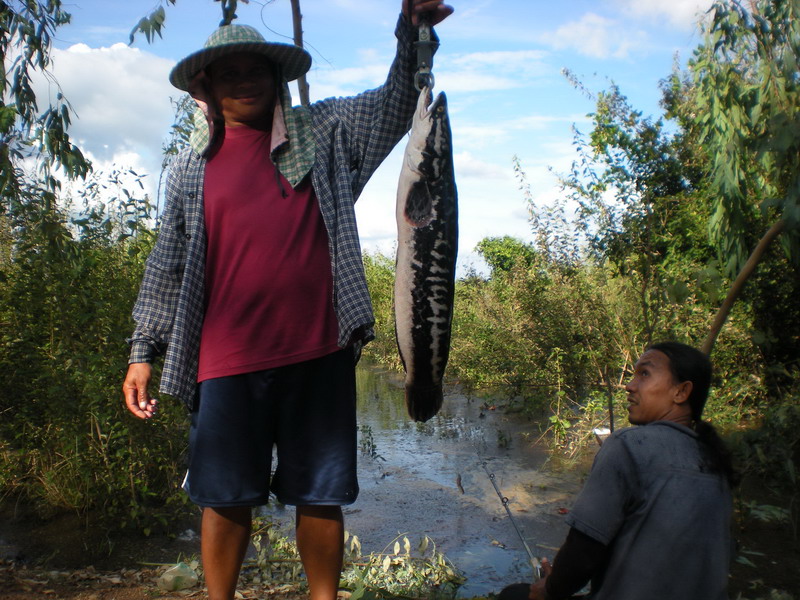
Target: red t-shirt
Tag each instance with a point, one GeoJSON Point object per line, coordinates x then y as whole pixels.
{"type": "Point", "coordinates": [268, 282]}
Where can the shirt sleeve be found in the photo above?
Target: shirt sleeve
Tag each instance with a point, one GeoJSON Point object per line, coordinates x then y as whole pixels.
{"type": "Point", "coordinates": [576, 562]}
{"type": "Point", "coordinates": [154, 311]}
{"type": "Point", "coordinates": [376, 120]}
{"type": "Point", "coordinates": [606, 497]}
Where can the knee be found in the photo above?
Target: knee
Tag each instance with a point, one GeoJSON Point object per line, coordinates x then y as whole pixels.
{"type": "Point", "coordinates": [237, 515]}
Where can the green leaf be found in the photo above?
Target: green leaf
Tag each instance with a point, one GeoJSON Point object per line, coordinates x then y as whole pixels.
{"type": "Point", "coordinates": [743, 560]}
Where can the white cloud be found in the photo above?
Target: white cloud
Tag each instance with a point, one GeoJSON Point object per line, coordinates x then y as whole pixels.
{"type": "Point", "coordinates": [491, 71]}
{"type": "Point", "coordinates": [122, 112]}
{"type": "Point", "coordinates": [468, 166]}
{"type": "Point", "coordinates": [541, 122]}
{"type": "Point", "coordinates": [596, 36]}
{"type": "Point", "coordinates": [129, 169]}
{"type": "Point", "coordinates": [512, 59]}
{"type": "Point", "coordinates": [683, 14]}
{"type": "Point", "coordinates": [120, 96]}
{"type": "Point", "coordinates": [479, 137]}
{"type": "Point", "coordinates": [345, 82]}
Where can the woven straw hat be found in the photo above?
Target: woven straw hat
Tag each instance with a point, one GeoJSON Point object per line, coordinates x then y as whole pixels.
{"type": "Point", "coordinates": [293, 60]}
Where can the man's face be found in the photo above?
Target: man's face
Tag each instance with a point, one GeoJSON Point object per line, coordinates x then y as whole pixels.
{"type": "Point", "coordinates": [243, 88]}
{"type": "Point", "coordinates": [653, 391]}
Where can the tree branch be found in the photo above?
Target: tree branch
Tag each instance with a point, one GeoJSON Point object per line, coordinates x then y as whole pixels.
{"type": "Point", "coordinates": [297, 22]}
{"type": "Point", "coordinates": [738, 284]}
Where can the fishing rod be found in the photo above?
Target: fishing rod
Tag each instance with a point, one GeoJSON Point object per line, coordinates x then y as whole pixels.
{"type": "Point", "coordinates": [537, 566]}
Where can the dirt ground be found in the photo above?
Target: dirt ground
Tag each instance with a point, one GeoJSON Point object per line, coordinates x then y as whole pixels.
{"type": "Point", "coordinates": [22, 583]}
{"type": "Point", "coordinates": [47, 560]}
{"type": "Point", "coordinates": [57, 559]}
{"type": "Point", "coordinates": [772, 550]}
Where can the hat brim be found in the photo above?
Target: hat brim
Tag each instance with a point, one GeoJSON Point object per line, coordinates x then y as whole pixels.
{"type": "Point", "coordinates": [293, 60]}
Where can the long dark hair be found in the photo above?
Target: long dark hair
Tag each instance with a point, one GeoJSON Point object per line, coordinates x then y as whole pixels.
{"type": "Point", "coordinates": [689, 364]}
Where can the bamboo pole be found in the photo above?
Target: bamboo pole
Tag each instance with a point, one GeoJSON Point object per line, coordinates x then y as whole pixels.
{"type": "Point", "coordinates": [297, 22]}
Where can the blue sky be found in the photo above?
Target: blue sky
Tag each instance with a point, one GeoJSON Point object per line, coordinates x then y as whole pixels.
{"type": "Point", "coordinates": [500, 62]}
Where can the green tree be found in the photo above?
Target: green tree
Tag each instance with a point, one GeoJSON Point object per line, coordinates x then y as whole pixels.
{"type": "Point", "coordinates": [28, 134]}
{"type": "Point", "coordinates": [556, 237]}
{"type": "Point", "coordinates": [66, 439]}
{"type": "Point", "coordinates": [639, 193]}
{"type": "Point", "coordinates": [743, 103]}
{"type": "Point", "coordinates": [379, 270]}
{"type": "Point", "coordinates": [72, 248]}
{"type": "Point", "coordinates": [502, 254]}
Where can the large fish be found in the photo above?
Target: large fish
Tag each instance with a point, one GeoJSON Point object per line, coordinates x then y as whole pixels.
{"type": "Point", "coordinates": [427, 239]}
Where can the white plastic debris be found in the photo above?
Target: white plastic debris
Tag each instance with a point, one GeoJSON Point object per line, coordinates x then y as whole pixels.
{"type": "Point", "coordinates": [179, 577]}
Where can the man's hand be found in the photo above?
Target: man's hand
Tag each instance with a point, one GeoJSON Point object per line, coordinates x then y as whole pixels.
{"type": "Point", "coordinates": [538, 591]}
{"type": "Point", "coordinates": [436, 10]}
{"type": "Point", "coordinates": [137, 397]}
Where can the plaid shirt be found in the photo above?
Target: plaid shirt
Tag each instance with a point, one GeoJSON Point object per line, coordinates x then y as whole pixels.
{"type": "Point", "coordinates": [352, 136]}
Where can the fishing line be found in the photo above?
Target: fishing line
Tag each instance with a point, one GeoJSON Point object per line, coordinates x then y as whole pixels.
{"type": "Point", "coordinates": [306, 45]}
{"type": "Point", "coordinates": [537, 566]}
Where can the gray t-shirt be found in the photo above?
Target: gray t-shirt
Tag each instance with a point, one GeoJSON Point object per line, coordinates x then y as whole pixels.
{"type": "Point", "coordinates": [665, 518]}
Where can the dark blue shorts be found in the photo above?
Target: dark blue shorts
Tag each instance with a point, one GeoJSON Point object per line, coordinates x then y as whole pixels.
{"type": "Point", "coordinates": [306, 410]}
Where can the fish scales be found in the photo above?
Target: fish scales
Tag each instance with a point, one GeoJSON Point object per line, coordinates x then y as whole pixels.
{"type": "Point", "coordinates": [427, 245]}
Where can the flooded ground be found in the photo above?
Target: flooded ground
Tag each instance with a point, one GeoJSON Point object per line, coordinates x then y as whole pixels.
{"type": "Point", "coordinates": [417, 480]}
{"type": "Point", "coordinates": [433, 479]}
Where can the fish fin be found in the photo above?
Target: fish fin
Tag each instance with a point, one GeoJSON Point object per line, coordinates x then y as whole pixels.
{"type": "Point", "coordinates": [423, 402]}
{"type": "Point", "coordinates": [419, 204]}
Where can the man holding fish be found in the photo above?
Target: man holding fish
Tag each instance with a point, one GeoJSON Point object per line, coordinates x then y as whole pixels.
{"type": "Point", "coordinates": [255, 291]}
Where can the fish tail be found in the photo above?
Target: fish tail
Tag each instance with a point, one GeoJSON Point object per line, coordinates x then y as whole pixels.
{"type": "Point", "coordinates": [423, 402]}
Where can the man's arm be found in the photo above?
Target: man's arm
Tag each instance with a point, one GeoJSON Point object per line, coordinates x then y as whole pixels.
{"type": "Point", "coordinates": [578, 560]}
{"type": "Point", "coordinates": [376, 120]}
{"type": "Point", "coordinates": [155, 306]}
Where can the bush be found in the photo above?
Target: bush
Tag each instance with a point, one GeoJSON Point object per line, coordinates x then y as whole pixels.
{"type": "Point", "coordinates": [69, 443]}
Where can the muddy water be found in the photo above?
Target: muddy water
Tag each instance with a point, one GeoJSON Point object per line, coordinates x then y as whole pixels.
{"type": "Point", "coordinates": [429, 479]}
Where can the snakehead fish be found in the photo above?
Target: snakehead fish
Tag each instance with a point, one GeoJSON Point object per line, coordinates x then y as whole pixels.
{"type": "Point", "coordinates": [427, 236]}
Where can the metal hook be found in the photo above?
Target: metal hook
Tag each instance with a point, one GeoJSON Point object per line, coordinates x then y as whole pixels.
{"type": "Point", "coordinates": [423, 79]}
{"type": "Point", "coordinates": [425, 46]}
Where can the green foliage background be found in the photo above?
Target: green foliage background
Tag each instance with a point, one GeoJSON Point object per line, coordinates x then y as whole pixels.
{"type": "Point", "coordinates": [66, 440]}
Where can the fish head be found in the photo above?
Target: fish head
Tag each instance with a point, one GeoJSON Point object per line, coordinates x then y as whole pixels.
{"type": "Point", "coordinates": [430, 138]}
{"type": "Point", "coordinates": [438, 108]}
{"type": "Point", "coordinates": [428, 112]}
{"type": "Point", "coordinates": [427, 161]}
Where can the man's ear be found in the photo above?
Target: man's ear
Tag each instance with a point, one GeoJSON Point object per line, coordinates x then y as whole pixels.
{"type": "Point", "coordinates": [683, 392]}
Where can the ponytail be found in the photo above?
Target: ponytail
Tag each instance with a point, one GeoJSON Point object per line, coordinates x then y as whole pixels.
{"type": "Point", "coordinates": [689, 364]}
{"type": "Point", "coordinates": [715, 451]}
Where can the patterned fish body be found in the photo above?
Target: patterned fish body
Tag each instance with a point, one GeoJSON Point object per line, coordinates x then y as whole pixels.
{"type": "Point", "coordinates": [427, 244]}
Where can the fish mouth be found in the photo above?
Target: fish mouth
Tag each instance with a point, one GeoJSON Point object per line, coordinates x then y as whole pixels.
{"type": "Point", "coordinates": [439, 102]}
{"type": "Point", "coordinates": [431, 107]}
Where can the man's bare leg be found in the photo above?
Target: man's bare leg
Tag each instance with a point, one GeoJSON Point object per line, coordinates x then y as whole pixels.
{"type": "Point", "coordinates": [320, 540]}
{"type": "Point", "coordinates": [224, 535]}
